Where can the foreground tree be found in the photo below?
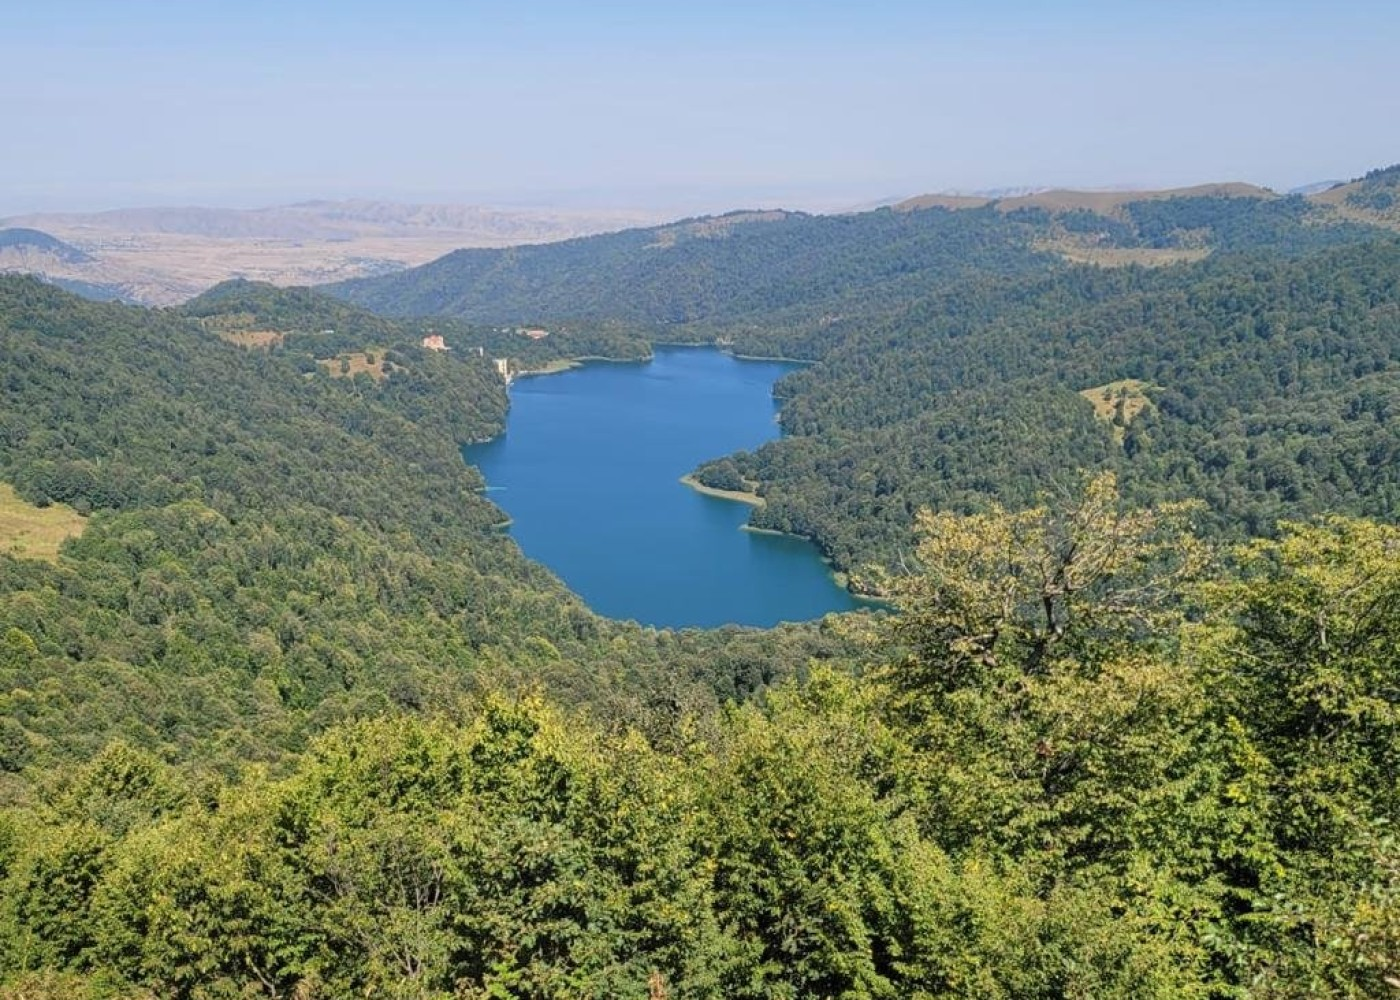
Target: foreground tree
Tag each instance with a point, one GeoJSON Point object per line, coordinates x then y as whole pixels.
{"type": "Point", "coordinates": [1038, 668]}
{"type": "Point", "coordinates": [1014, 591]}
{"type": "Point", "coordinates": [1311, 662]}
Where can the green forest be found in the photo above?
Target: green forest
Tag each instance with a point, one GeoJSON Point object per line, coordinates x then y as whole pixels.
{"type": "Point", "coordinates": [293, 716]}
{"type": "Point", "coordinates": [795, 285]}
{"type": "Point", "coordinates": [1266, 388]}
{"type": "Point", "coordinates": [955, 357]}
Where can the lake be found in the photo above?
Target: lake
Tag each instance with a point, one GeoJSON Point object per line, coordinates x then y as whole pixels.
{"type": "Point", "coordinates": [589, 471]}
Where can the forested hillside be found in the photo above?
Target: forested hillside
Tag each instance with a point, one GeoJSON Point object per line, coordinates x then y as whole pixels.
{"type": "Point", "coordinates": [793, 284]}
{"type": "Point", "coordinates": [706, 271]}
{"type": "Point", "coordinates": [1264, 386]}
{"type": "Point", "coordinates": [969, 355]}
{"type": "Point", "coordinates": [1170, 777]}
{"type": "Point", "coordinates": [271, 547]}
{"type": "Point", "coordinates": [292, 717]}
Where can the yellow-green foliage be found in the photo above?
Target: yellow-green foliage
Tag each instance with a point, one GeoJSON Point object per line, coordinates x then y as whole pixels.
{"type": "Point", "coordinates": [1069, 768]}
{"type": "Point", "coordinates": [1033, 580]}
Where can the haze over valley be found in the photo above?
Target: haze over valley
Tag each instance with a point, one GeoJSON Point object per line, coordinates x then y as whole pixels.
{"type": "Point", "coordinates": [163, 256]}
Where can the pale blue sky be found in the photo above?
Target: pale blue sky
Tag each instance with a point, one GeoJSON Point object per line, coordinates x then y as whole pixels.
{"type": "Point", "coordinates": [701, 106]}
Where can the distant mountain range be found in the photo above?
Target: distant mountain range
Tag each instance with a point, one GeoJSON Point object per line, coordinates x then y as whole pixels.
{"type": "Point", "coordinates": [160, 256]}
{"type": "Point", "coordinates": [340, 220]}
{"type": "Point", "coordinates": [1063, 200]}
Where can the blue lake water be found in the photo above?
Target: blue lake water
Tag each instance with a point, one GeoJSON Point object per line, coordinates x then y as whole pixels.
{"type": "Point", "coordinates": [589, 471]}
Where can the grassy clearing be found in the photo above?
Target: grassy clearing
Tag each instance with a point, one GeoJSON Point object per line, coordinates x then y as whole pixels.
{"type": "Point", "coordinates": [1080, 253]}
{"type": "Point", "coordinates": [1112, 202]}
{"type": "Point", "coordinates": [254, 339]}
{"type": "Point", "coordinates": [1101, 202]}
{"type": "Point", "coordinates": [242, 329]}
{"type": "Point", "coordinates": [550, 367]}
{"type": "Point", "coordinates": [31, 532]}
{"type": "Point", "coordinates": [350, 365]}
{"type": "Point", "coordinates": [1117, 403]}
{"type": "Point", "coordinates": [709, 229]}
{"type": "Point", "coordinates": [1337, 201]}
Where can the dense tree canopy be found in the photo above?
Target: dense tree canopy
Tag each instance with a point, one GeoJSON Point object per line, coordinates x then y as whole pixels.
{"type": "Point", "coordinates": [1172, 786]}
{"type": "Point", "coordinates": [293, 718]}
{"type": "Point", "coordinates": [269, 550]}
{"type": "Point", "coordinates": [1261, 385]}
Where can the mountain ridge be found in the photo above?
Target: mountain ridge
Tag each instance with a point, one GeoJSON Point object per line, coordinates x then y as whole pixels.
{"type": "Point", "coordinates": [728, 276]}
{"type": "Point", "coordinates": [1070, 199]}
{"type": "Point", "coordinates": [34, 240]}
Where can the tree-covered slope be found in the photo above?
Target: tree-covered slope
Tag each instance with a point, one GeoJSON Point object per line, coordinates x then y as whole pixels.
{"type": "Point", "coordinates": [271, 547]}
{"type": "Point", "coordinates": [710, 272]}
{"type": "Point", "coordinates": [791, 283]}
{"type": "Point", "coordinates": [1087, 758]}
{"type": "Point", "coordinates": [272, 724]}
{"type": "Point", "coordinates": [958, 349]}
{"type": "Point", "coordinates": [1264, 385]}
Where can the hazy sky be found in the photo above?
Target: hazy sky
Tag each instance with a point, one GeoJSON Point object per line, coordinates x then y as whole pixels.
{"type": "Point", "coordinates": [701, 105]}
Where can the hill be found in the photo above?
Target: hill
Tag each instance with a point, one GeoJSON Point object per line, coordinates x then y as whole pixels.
{"type": "Point", "coordinates": [787, 283]}
{"type": "Point", "coordinates": [29, 251]}
{"type": "Point", "coordinates": [1263, 387]}
{"type": "Point", "coordinates": [1374, 198]}
{"type": "Point", "coordinates": [35, 242]}
{"type": "Point", "coordinates": [1098, 202]}
{"type": "Point", "coordinates": [770, 282]}
{"type": "Point", "coordinates": [954, 347]}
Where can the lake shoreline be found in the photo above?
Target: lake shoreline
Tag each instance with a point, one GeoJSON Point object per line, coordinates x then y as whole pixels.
{"type": "Point", "coordinates": [765, 357]}
{"type": "Point", "coordinates": [738, 496]}
{"type": "Point", "coordinates": [549, 368]}
{"type": "Point", "coordinates": [561, 365]}
{"type": "Point", "coordinates": [840, 577]}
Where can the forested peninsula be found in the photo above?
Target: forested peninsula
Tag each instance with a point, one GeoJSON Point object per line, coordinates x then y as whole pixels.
{"type": "Point", "coordinates": [283, 714]}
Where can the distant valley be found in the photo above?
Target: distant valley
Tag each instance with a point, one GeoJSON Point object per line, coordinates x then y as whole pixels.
{"type": "Point", "coordinates": [163, 256]}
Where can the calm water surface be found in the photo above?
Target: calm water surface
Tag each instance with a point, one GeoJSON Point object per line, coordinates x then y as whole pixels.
{"type": "Point", "coordinates": [589, 471]}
